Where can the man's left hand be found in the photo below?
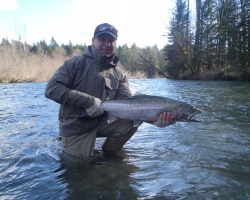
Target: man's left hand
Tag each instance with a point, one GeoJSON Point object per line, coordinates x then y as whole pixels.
{"type": "Point", "coordinates": [165, 119]}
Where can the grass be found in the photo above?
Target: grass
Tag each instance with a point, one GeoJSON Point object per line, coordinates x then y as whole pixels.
{"type": "Point", "coordinates": [19, 67]}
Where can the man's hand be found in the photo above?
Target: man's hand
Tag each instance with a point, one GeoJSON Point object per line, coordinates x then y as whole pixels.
{"type": "Point", "coordinates": [95, 110]}
{"type": "Point", "coordinates": [164, 120]}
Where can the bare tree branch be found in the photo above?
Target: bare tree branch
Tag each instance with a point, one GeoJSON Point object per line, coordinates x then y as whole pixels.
{"type": "Point", "coordinates": [151, 66]}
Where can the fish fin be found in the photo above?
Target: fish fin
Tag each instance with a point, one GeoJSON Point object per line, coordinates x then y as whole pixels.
{"type": "Point", "coordinates": [137, 122]}
{"type": "Point", "coordinates": [138, 94]}
{"type": "Point", "coordinates": [111, 118]}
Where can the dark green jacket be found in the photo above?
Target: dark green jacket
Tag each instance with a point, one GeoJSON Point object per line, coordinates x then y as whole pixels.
{"type": "Point", "coordinates": [80, 79]}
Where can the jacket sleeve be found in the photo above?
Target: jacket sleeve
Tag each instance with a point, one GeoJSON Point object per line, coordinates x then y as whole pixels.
{"type": "Point", "coordinates": [59, 87]}
{"type": "Point", "coordinates": [123, 88]}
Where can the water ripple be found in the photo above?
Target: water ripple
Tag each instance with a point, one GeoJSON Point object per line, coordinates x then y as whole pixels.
{"type": "Point", "coordinates": [207, 160]}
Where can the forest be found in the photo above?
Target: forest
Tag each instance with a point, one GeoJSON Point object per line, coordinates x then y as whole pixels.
{"type": "Point", "coordinates": [214, 46]}
{"type": "Point", "coordinates": [208, 42]}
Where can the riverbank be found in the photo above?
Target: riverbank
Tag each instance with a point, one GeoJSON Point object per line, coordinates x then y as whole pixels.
{"type": "Point", "coordinates": [17, 66]}
{"type": "Point", "coordinates": [231, 74]}
{"type": "Point", "coordinates": [42, 71]}
{"type": "Point", "coordinates": [212, 75]}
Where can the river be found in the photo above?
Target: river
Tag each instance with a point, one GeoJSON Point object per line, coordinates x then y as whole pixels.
{"type": "Point", "coordinates": [206, 160]}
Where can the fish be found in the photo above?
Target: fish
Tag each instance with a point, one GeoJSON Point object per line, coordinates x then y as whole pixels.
{"type": "Point", "coordinates": [147, 108]}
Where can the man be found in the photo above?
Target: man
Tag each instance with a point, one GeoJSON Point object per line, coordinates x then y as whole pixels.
{"type": "Point", "coordinates": [81, 84]}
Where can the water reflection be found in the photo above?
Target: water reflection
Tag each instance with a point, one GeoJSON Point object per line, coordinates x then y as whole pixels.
{"type": "Point", "coordinates": [97, 178]}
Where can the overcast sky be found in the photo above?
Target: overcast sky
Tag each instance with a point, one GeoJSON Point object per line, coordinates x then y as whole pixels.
{"type": "Point", "coordinates": [143, 22]}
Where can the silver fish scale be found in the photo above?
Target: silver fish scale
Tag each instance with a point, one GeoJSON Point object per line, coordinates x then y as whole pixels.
{"type": "Point", "coordinates": [147, 108]}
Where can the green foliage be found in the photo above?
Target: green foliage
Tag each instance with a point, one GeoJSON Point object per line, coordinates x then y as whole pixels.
{"type": "Point", "coordinates": [178, 52]}
{"type": "Point", "coordinates": [42, 47]}
{"type": "Point", "coordinates": [53, 44]}
{"type": "Point", "coordinates": [69, 48]}
{"type": "Point", "coordinates": [173, 66]}
{"type": "Point", "coordinates": [129, 57]}
{"type": "Point", "coordinates": [221, 38]}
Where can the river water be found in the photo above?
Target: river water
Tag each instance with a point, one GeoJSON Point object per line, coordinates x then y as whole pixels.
{"type": "Point", "coordinates": [206, 160]}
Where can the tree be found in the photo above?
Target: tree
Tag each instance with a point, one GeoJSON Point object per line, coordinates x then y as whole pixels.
{"type": "Point", "coordinates": [53, 43]}
{"type": "Point", "coordinates": [69, 48]}
{"type": "Point", "coordinates": [179, 41]}
{"type": "Point", "coordinates": [196, 61]}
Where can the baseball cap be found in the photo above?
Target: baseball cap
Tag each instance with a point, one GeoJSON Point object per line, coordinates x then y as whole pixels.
{"type": "Point", "coordinates": [106, 28]}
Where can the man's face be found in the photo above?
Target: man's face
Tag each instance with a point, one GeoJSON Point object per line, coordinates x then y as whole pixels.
{"type": "Point", "coordinates": [104, 43]}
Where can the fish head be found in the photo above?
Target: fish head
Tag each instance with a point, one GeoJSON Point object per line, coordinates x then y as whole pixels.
{"type": "Point", "coordinates": [186, 113]}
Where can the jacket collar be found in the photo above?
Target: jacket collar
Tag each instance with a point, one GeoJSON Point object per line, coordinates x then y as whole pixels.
{"type": "Point", "coordinates": [100, 58]}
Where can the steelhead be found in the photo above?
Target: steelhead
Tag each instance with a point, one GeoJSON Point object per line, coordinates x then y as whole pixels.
{"type": "Point", "coordinates": [148, 108]}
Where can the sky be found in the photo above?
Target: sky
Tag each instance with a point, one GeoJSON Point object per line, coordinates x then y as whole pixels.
{"type": "Point", "coordinates": [143, 22]}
